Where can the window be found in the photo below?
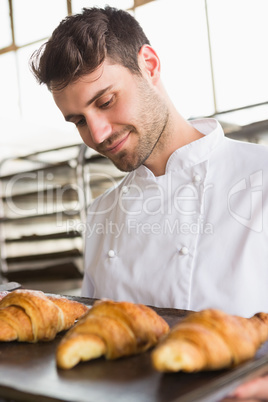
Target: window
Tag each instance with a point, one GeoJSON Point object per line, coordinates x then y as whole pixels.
{"type": "Point", "coordinates": [238, 34]}
{"type": "Point", "coordinates": [34, 20]}
{"type": "Point", "coordinates": [77, 5]}
{"type": "Point", "coordinates": [5, 28]}
{"type": "Point", "coordinates": [178, 32]}
{"type": "Point", "coordinates": [213, 56]}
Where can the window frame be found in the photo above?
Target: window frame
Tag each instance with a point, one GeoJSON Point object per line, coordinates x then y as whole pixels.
{"type": "Point", "coordinates": [13, 47]}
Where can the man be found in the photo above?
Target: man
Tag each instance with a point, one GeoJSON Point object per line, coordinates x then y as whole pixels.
{"type": "Point", "coordinates": [185, 228]}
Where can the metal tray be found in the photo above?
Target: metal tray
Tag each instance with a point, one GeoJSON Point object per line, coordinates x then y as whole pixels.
{"type": "Point", "coordinates": [28, 372]}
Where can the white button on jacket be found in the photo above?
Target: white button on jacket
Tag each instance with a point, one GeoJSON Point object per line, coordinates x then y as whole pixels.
{"type": "Point", "coordinates": [197, 178]}
{"type": "Point", "coordinates": [124, 190]}
{"type": "Point", "coordinates": [184, 250]}
{"type": "Point", "coordinates": [111, 253]}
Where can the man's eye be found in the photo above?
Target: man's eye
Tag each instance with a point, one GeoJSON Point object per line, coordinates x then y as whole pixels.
{"type": "Point", "coordinates": [104, 105]}
{"type": "Point", "coordinates": [81, 122]}
{"type": "Point", "coordinates": [107, 103]}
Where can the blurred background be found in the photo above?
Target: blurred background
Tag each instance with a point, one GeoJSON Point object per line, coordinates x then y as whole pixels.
{"type": "Point", "coordinates": [214, 63]}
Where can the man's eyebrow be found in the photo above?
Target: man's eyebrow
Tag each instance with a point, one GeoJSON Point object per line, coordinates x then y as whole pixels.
{"type": "Point", "coordinates": [96, 96]}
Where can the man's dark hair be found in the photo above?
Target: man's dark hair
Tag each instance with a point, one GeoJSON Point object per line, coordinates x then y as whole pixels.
{"type": "Point", "coordinates": [81, 42]}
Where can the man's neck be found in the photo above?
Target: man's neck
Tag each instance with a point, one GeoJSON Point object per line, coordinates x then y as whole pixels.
{"type": "Point", "coordinates": [179, 133]}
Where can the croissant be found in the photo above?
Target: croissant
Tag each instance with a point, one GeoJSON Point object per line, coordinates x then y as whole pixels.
{"type": "Point", "coordinates": [3, 294]}
{"type": "Point", "coordinates": [112, 329]}
{"type": "Point", "coordinates": [210, 340]}
{"type": "Point", "coordinates": [31, 316]}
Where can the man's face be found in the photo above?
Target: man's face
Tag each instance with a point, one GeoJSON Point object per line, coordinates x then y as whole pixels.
{"type": "Point", "coordinates": [117, 113]}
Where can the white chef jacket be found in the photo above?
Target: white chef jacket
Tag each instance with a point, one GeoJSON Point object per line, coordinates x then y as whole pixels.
{"type": "Point", "coordinates": [193, 238]}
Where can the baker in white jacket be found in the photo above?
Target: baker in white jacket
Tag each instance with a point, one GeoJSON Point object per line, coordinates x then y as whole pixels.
{"type": "Point", "coordinates": [187, 227]}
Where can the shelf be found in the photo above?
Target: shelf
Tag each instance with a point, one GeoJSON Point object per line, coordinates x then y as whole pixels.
{"type": "Point", "coordinates": [43, 257]}
{"type": "Point", "coordinates": [46, 191]}
{"type": "Point", "coordinates": [70, 212]}
{"type": "Point", "coordinates": [43, 201]}
{"type": "Point", "coordinates": [63, 271]}
{"type": "Point", "coordinates": [51, 236]}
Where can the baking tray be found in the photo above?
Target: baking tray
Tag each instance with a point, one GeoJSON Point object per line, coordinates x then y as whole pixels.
{"type": "Point", "coordinates": [28, 372]}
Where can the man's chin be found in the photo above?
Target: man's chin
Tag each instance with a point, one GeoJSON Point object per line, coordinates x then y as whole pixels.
{"type": "Point", "coordinates": [124, 164]}
{"type": "Point", "coordinates": [125, 168]}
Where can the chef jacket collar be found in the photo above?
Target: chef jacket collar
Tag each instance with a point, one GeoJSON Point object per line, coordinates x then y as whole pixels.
{"type": "Point", "coordinates": [195, 152]}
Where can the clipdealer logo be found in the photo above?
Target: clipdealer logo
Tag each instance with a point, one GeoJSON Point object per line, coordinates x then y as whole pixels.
{"type": "Point", "coordinates": [255, 220]}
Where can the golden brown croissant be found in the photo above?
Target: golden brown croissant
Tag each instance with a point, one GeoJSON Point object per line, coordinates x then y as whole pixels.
{"type": "Point", "coordinates": [31, 316]}
{"type": "Point", "coordinates": [112, 329]}
{"type": "Point", "coordinates": [210, 340]}
{"type": "Point", "coordinates": [3, 294]}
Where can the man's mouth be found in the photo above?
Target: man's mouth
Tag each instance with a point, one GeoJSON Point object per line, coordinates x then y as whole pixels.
{"type": "Point", "coordinates": [117, 145]}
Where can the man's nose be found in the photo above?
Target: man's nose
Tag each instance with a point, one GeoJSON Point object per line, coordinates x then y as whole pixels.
{"type": "Point", "coordinates": [99, 127]}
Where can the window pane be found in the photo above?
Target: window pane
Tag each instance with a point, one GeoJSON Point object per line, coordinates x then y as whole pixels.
{"type": "Point", "coordinates": [40, 123]}
{"type": "Point", "coordinates": [39, 111]}
{"type": "Point", "coordinates": [5, 28]}
{"type": "Point", "coordinates": [77, 5]}
{"type": "Point", "coordinates": [37, 102]}
{"type": "Point", "coordinates": [9, 96]}
{"type": "Point", "coordinates": [180, 38]}
{"type": "Point", "coordinates": [239, 33]}
{"type": "Point", "coordinates": [36, 20]}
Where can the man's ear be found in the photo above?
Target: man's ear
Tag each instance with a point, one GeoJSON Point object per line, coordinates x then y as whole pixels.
{"type": "Point", "coordinates": [149, 63]}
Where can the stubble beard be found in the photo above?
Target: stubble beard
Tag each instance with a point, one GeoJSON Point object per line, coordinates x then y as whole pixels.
{"type": "Point", "coordinates": [152, 121]}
